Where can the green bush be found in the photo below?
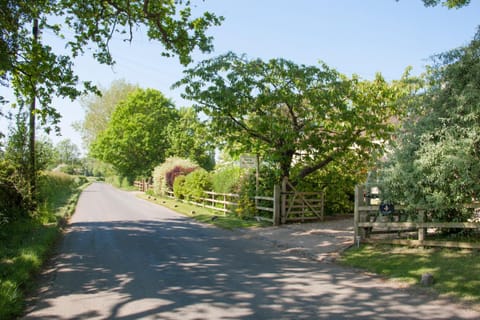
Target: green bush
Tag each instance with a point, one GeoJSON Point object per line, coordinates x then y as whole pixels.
{"type": "Point", "coordinates": [14, 194]}
{"type": "Point", "coordinates": [196, 183]}
{"type": "Point", "coordinates": [160, 172]}
{"type": "Point", "coordinates": [179, 187]}
{"type": "Point", "coordinates": [227, 179]}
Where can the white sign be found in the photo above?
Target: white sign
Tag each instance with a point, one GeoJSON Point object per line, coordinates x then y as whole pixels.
{"type": "Point", "coordinates": [248, 161]}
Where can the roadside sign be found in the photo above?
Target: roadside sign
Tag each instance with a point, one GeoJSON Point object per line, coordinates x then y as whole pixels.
{"type": "Point", "coordinates": [248, 161]}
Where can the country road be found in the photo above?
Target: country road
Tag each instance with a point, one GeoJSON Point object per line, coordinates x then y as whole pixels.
{"type": "Point", "coordinates": [125, 258]}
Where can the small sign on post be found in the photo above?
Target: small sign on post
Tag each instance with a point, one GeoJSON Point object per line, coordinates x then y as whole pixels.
{"type": "Point", "coordinates": [248, 161]}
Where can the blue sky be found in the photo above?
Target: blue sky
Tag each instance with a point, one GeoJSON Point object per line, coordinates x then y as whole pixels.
{"type": "Point", "coordinates": [353, 36]}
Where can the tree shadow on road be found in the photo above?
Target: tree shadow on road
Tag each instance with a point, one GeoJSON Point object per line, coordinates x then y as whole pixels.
{"type": "Point", "coordinates": [178, 269]}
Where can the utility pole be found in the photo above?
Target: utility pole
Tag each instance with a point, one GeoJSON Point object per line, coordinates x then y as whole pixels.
{"type": "Point", "coordinates": [33, 167]}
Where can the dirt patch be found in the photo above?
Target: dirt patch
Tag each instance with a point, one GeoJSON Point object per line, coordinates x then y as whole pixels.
{"type": "Point", "coordinates": [321, 241]}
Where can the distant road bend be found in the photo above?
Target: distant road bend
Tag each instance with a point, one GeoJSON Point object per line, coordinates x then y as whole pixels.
{"type": "Point", "coordinates": [125, 258]}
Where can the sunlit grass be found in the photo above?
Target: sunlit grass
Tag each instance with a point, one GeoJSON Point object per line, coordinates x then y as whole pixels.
{"type": "Point", "coordinates": [456, 272]}
{"type": "Point", "coordinates": [27, 243]}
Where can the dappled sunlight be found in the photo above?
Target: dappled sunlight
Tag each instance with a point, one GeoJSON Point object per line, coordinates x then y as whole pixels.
{"type": "Point", "coordinates": [174, 268]}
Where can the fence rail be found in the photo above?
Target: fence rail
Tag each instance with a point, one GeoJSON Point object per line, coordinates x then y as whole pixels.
{"type": "Point", "coordinates": [365, 224]}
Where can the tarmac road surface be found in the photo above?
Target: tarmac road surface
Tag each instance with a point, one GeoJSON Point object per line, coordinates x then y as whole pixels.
{"type": "Point", "coordinates": [125, 258]}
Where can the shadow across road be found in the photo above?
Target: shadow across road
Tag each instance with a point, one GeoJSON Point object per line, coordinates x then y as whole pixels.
{"type": "Point", "coordinates": [172, 268]}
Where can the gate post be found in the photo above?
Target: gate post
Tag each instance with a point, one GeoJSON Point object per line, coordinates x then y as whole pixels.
{"type": "Point", "coordinates": [276, 205]}
{"type": "Point", "coordinates": [283, 208]}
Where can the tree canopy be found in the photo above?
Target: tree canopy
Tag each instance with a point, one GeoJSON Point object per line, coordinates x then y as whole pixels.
{"type": "Point", "coordinates": [33, 67]}
{"type": "Point", "coordinates": [295, 115]}
{"type": "Point", "coordinates": [136, 139]}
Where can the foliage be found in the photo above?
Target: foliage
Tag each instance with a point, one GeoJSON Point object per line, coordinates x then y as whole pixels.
{"type": "Point", "coordinates": [292, 114]}
{"type": "Point", "coordinates": [67, 152]}
{"type": "Point", "coordinates": [226, 179]}
{"type": "Point", "coordinates": [190, 139]}
{"type": "Point", "coordinates": [179, 190]}
{"type": "Point", "coordinates": [99, 109]}
{"type": "Point", "coordinates": [160, 172]}
{"type": "Point", "coordinates": [135, 138]}
{"type": "Point", "coordinates": [54, 191]}
{"type": "Point", "coordinates": [174, 173]}
{"type": "Point", "coordinates": [436, 162]}
{"type": "Point", "coordinates": [35, 67]}
{"type": "Point", "coordinates": [338, 183]}
{"type": "Point", "coordinates": [196, 183]}
{"type": "Point", "coordinates": [13, 204]}
{"type": "Point", "coordinates": [448, 3]}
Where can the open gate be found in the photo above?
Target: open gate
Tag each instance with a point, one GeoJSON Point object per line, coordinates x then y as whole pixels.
{"type": "Point", "coordinates": [299, 206]}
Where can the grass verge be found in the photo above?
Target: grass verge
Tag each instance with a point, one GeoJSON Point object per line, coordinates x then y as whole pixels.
{"type": "Point", "coordinates": [27, 243]}
{"type": "Point", "coordinates": [205, 215]}
{"type": "Point", "coordinates": [455, 272]}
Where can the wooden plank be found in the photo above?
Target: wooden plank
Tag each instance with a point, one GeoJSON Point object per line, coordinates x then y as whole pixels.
{"type": "Point", "coordinates": [264, 198]}
{"type": "Point", "coordinates": [426, 243]}
{"type": "Point", "coordinates": [265, 209]}
{"type": "Point", "coordinates": [222, 194]}
{"type": "Point", "coordinates": [460, 225]}
{"type": "Point", "coordinates": [304, 218]}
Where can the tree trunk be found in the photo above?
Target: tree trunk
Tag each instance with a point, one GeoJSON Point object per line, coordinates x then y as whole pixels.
{"type": "Point", "coordinates": [32, 153]}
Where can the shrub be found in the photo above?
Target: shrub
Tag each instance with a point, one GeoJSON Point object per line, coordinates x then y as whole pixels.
{"type": "Point", "coordinates": [196, 183]}
{"type": "Point", "coordinates": [179, 187]}
{"type": "Point", "coordinates": [174, 173]}
{"type": "Point", "coordinates": [14, 195]}
{"type": "Point", "coordinates": [227, 179]}
{"type": "Point", "coordinates": [160, 172]}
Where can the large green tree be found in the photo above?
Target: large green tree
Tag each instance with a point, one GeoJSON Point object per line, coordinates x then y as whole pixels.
{"type": "Point", "coordinates": [136, 138]}
{"type": "Point", "coordinates": [301, 117]}
{"type": "Point", "coordinates": [436, 162]}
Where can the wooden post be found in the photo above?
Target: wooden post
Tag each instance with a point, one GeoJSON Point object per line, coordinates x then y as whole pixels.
{"type": "Point", "coordinates": [276, 205]}
{"type": "Point", "coordinates": [421, 231]}
{"type": "Point", "coordinates": [224, 204]}
{"type": "Point", "coordinates": [356, 216]}
{"type": "Point", "coordinates": [283, 208]}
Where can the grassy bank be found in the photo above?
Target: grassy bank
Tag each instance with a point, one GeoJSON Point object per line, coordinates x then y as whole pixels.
{"type": "Point", "coordinates": [455, 272]}
{"type": "Point", "coordinates": [205, 215]}
{"type": "Point", "coordinates": [26, 243]}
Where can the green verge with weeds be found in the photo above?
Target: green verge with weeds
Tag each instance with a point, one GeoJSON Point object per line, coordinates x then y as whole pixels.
{"type": "Point", "coordinates": [205, 215]}
{"type": "Point", "coordinates": [455, 272]}
{"type": "Point", "coordinates": [27, 243]}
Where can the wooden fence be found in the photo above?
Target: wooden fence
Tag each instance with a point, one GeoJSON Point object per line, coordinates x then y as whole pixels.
{"type": "Point", "coordinates": [143, 185]}
{"type": "Point", "coordinates": [369, 221]}
{"type": "Point", "coordinates": [286, 204]}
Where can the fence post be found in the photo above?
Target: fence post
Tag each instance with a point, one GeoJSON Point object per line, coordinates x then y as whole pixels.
{"type": "Point", "coordinates": [421, 231]}
{"type": "Point", "coordinates": [356, 215]}
{"type": "Point", "coordinates": [276, 205]}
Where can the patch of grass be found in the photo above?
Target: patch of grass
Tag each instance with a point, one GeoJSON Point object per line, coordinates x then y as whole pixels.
{"type": "Point", "coordinates": [205, 215]}
{"type": "Point", "coordinates": [26, 243]}
{"type": "Point", "coordinates": [456, 272]}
